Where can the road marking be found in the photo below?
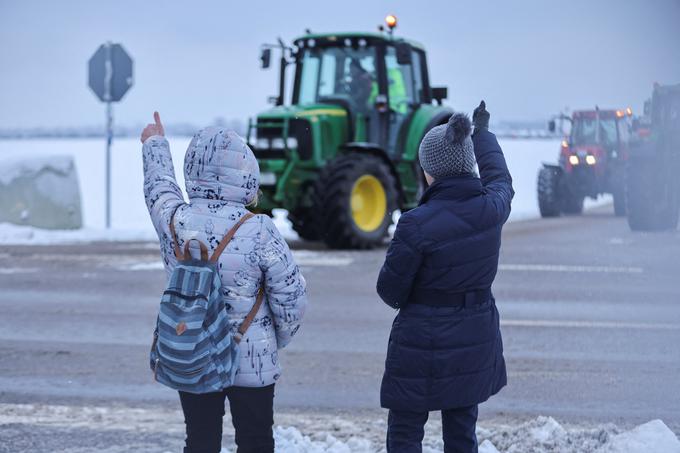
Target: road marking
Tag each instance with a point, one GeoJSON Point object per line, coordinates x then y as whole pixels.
{"type": "Point", "coordinates": [568, 268]}
{"type": "Point", "coordinates": [153, 266]}
{"type": "Point", "coordinates": [302, 258]}
{"type": "Point", "coordinates": [312, 258]}
{"type": "Point", "coordinates": [587, 324]}
{"type": "Point", "coordinates": [17, 270]}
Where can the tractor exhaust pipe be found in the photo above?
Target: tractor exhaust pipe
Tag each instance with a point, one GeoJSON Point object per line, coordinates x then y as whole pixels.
{"type": "Point", "coordinates": [282, 73]}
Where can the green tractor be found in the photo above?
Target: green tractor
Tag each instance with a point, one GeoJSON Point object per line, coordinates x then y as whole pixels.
{"type": "Point", "coordinates": [343, 155]}
{"type": "Point", "coordinates": [653, 187]}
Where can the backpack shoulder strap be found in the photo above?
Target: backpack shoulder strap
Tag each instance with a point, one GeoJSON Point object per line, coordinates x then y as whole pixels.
{"type": "Point", "coordinates": [227, 237]}
{"type": "Point", "coordinates": [175, 242]}
{"type": "Point", "coordinates": [243, 328]}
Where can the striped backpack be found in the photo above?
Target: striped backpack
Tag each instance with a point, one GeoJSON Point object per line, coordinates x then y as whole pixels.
{"type": "Point", "coordinates": [193, 349]}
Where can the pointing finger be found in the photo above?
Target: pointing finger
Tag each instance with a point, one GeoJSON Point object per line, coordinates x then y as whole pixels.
{"type": "Point", "coordinates": [157, 119]}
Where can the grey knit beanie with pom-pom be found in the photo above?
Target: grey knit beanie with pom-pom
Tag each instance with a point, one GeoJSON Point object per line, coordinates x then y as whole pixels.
{"type": "Point", "coordinates": [447, 150]}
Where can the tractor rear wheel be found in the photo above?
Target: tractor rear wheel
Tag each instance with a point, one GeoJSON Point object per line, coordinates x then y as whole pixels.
{"type": "Point", "coordinates": [648, 208]}
{"type": "Point", "coordinates": [548, 192]}
{"type": "Point", "coordinates": [357, 202]}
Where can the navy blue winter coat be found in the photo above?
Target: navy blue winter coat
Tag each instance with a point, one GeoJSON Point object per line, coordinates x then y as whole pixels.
{"type": "Point", "coordinates": [445, 349]}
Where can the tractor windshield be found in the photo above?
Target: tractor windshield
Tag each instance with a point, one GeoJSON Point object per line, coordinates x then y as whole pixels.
{"type": "Point", "coordinates": [340, 74]}
{"type": "Point", "coordinates": [585, 132]}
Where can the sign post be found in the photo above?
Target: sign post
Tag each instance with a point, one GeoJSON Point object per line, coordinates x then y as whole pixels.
{"type": "Point", "coordinates": [110, 77]}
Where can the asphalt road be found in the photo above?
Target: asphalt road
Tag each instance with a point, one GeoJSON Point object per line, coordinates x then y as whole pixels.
{"type": "Point", "coordinates": [590, 318]}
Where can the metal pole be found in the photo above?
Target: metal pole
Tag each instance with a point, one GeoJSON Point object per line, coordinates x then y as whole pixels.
{"type": "Point", "coordinates": [109, 139]}
{"type": "Point", "coordinates": [108, 76]}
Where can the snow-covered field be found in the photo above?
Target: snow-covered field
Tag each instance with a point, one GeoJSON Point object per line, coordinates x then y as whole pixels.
{"type": "Point", "coordinates": [129, 217]}
{"type": "Point", "coordinates": [324, 433]}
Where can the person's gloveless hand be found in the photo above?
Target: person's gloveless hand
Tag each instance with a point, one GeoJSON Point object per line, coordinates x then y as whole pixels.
{"type": "Point", "coordinates": [480, 117]}
{"type": "Point", "coordinates": [153, 129]}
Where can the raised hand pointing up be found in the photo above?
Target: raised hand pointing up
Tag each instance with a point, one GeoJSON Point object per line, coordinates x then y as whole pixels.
{"type": "Point", "coordinates": [153, 129]}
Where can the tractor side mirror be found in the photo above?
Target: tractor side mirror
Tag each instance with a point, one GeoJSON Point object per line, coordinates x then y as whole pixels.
{"type": "Point", "coordinates": [266, 58]}
{"type": "Point", "coordinates": [551, 126]}
{"type": "Point", "coordinates": [403, 53]}
{"type": "Point", "coordinates": [439, 94]}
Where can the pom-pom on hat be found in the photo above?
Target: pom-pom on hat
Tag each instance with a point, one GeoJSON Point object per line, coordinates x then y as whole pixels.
{"type": "Point", "coordinates": [447, 150]}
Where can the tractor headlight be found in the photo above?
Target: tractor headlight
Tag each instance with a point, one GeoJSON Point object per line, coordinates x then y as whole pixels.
{"type": "Point", "coordinates": [278, 143]}
{"type": "Point", "coordinates": [262, 143]}
{"type": "Point", "coordinates": [573, 159]}
{"type": "Point", "coordinates": [590, 159]}
{"type": "Point", "coordinates": [292, 143]}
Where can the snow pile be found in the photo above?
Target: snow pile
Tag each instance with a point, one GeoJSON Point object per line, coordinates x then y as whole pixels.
{"type": "Point", "coordinates": [41, 191]}
{"type": "Point", "coordinates": [285, 227]}
{"type": "Point", "coordinates": [487, 447]}
{"type": "Point", "coordinates": [15, 167]}
{"type": "Point", "coordinates": [653, 436]}
{"type": "Point", "coordinates": [545, 434]}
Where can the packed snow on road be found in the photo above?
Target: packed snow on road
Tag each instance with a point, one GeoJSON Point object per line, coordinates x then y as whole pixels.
{"type": "Point", "coordinates": [320, 433]}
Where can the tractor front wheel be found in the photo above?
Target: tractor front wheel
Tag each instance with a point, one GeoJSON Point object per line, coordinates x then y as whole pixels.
{"type": "Point", "coordinates": [572, 204]}
{"type": "Point", "coordinates": [549, 203]}
{"type": "Point", "coordinates": [357, 202]}
{"type": "Point", "coordinates": [306, 220]}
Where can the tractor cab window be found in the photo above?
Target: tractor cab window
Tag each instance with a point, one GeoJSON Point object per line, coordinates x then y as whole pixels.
{"type": "Point", "coordinates": [341, 75]}
{"type": "Point", "coordinates": [399, 82]}
{"type": "Point", "coordinates": [585, 132]}
{"type": "Point", "coordinates": [419, 87]}
{"type": "Point", "coordinates": [401, 96]}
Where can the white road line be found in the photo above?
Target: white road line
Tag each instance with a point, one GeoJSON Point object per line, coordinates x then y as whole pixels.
{"type": "Point", "coordinates": [153, 266]}
{"type": "Point", "coordinates": [587, 324]}
{"type": "Point", "coordinates": [568, 268]}
{"type": "Point", "coordinates": [314, 258]}
{"type": "Point", "coordinates": [17, 270]}
{"type": "Point", "coordinates": [330, 261]}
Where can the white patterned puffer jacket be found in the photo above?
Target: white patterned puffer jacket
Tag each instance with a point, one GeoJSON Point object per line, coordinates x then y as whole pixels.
{"type": "Point", "coordinates": [222, 176]}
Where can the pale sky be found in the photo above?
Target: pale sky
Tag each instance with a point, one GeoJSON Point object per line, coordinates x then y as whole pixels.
{"type": "Point", "coordinates": [198, 60]}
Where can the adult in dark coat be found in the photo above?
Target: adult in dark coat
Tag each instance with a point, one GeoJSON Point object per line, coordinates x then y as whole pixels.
{"type": "Point", "coordinates": [445, 350]}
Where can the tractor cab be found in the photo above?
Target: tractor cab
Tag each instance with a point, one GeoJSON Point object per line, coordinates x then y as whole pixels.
{"type": "Point", "coordinates": [377, 82]}
{"type": "Point", "coordinates": [601, 134]}
{"type": "Point", "coordinates": [591, 163]}
{"type": "Point", "coordinates": [342, 154]}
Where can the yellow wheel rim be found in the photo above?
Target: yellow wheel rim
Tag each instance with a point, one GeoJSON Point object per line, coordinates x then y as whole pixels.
{"type": "Point", "coordinates": [368, 203]}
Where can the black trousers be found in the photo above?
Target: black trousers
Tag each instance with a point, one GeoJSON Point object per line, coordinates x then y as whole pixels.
{"type": "Point", "coordinates": [252, 413]}
{"type": "Point", "coordinates": [405, 430]}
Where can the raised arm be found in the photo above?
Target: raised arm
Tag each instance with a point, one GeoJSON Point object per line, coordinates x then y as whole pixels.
{"type": "Point", "coordinates": [285, 286]}
{"type": "Point", "coordinates": [162, 194]}
{"type": "Point", "coordinates": [493, 170]}
{"type": "Point", "coordinates": [401, 264]}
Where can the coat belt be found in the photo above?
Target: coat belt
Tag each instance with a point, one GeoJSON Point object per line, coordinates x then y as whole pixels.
{"type": "Point", "coordinates": [439, 298]}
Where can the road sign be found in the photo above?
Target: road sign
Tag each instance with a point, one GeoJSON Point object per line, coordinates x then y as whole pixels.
{"type": "Point", "coordinates": [109, 77]}
{"type": "Point", "coordinates": [110, 72]}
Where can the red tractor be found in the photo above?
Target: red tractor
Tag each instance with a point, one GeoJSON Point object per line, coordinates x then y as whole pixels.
{"type": "Point", "coordinates": [592, 162]}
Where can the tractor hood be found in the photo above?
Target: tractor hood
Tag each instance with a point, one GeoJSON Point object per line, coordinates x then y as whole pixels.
{"type": "Point", "coordinates": [310, 111]}
{"type": "Point", "coordinates": [307, 130]}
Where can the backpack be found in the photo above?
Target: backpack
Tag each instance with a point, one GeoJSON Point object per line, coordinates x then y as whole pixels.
{"type": "Point", "coordinates": [193, 348]}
